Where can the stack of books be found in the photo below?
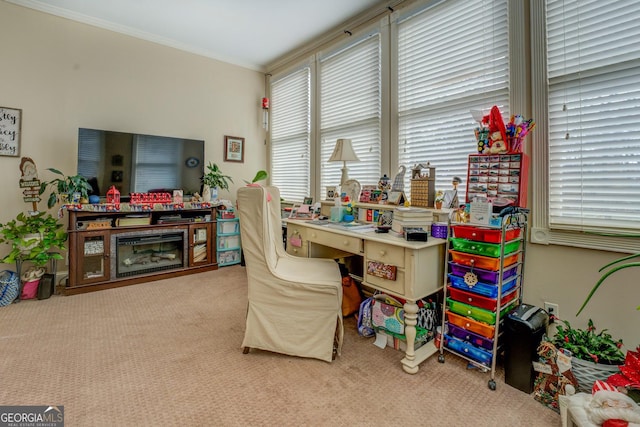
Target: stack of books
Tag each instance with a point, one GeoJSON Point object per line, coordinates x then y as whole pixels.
{"type": "Point", "coordinates": [411, 217]}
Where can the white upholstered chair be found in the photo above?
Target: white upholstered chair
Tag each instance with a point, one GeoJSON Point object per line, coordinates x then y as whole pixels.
{"type": "Point", "coordinates": [295, 304]}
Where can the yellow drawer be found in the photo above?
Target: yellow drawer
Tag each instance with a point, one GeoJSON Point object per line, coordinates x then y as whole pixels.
{"type": "Point", "coordinates": [393, 286]}
{"type": "Point", "coordinates": [386, 254]}
{"type": "Point", "coordinates": [344, 243]}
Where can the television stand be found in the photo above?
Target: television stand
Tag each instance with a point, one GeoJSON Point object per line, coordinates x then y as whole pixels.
{"type": "Point", "coordinates": [109, 249]}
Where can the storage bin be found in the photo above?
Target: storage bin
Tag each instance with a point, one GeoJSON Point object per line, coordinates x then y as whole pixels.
{"type": "Point", "coordinates": [484, 289]}
{"type": "Point", "coordinates": [228, 227]}
{"type": "Point", "coordinates": [485, 276]}
{"type": "Point", "coordinates": [472, 337]}
{"type": "Point", "coordinates": [471, 325]}
{"type": "Point", "coordinates": [481, 301]}
{"type": "Point", "coordinates": [467, 349]}
{"type": "Point", "coordinates": [226, 214]}
{"type": "Point", "coordinates": [229, 242]}
{"type": "Point", "coordinates": [484, 234]}
{"type": "Point", "coordinates": [480, 261]}
{"type": "Point", "coordinates": [481, 248]}
{"type": "Point", "coordinates": [477, 313]}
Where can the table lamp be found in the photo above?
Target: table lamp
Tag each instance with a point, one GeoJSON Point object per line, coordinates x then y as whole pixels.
{"type": "Point", "coordinates": [343, 152]}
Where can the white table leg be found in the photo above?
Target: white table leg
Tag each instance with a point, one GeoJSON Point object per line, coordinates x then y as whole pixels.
{"type": "Point", "coordinates": [410, 321]}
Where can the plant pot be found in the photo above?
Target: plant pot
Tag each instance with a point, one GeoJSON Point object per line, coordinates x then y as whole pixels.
{"type": "Point", "coordinates": [588, 372]}
{"type": "Point", "coordinates": [206, 193]}
{"type": "Point", "coordinates": [438, 205]}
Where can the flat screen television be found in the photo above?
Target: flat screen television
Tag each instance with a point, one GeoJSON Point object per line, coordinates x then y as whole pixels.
{"type": "Point", "coordinates": [137, 163]}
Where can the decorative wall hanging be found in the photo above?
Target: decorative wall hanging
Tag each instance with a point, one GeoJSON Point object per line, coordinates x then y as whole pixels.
{"type": "Point", "coordinates": [233, 149]}
{"type": "Point", "coordinates": [10, 123]}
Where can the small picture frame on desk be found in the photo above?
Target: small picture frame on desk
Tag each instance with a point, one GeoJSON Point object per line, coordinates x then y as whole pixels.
{"type": "Point", "coordinates": [302, 211]}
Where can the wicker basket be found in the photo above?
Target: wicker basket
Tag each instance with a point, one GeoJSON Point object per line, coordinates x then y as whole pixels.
{"type": "Point", "coordinates": [9, 287]}
{"type": "Point", "coordinates": [588, 372]}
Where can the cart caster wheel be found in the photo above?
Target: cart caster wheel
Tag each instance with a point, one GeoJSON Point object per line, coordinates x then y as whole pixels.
{"type": "Point", "coordinates": [492, 384]}
{"type": "Point", "coordinates": [441, 358]}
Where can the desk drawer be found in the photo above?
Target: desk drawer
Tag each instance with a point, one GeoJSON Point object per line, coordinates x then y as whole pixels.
{"type": "Point", "coordinates": [395, 287]}
{"type": "Point", "coordinates": [337, 241]}
{"type": "Point", "coordinates": [386, 254]}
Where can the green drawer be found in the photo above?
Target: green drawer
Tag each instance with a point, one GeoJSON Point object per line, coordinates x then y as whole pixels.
{"type": "Point", "coordinates": [482, 248]}
{"type": "Point", "coordinates": [477, 313]}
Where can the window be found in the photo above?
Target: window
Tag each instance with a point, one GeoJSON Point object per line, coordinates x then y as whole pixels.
{"type": "Point", "coordinates": [452, 57]}
{"type": "Point", "coordinates": [402, 88]}
{"type": "Point", "coordinates": [90, 148]}
{"type": "Point", "coordinates": [591, 63]}
{"type": "Point", "coordinates": [155, 163]}
{"type": "Point", "coordinates": [350, 107]}
{"type": "Point", "coordinates": [291, 134]}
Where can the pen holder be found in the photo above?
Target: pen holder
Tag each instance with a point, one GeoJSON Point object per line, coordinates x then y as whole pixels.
{"type": "Point", "coordinates": [336, 213]}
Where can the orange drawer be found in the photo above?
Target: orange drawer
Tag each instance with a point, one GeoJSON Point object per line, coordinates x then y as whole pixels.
{"type": "Point", "coordinates": [480, 261]}
{"type": "Point", "coordinates": [471, 325]}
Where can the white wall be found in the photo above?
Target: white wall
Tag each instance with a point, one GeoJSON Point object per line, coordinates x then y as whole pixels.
{"type": "Point", "coordinates": [65, 75]}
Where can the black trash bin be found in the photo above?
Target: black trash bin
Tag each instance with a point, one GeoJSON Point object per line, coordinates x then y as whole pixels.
{"type": "Point", "coordinates": [524, 328]}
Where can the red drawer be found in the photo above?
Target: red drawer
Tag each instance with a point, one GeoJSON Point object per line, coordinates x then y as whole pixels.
{"type": "Point", "coordinates": [480, 301]}
{"type": "Point", "coordinates": [484, 234]}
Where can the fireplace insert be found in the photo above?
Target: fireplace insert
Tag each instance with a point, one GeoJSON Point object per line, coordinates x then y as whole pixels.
{"type": "Point", "coordinates": [142, 252]}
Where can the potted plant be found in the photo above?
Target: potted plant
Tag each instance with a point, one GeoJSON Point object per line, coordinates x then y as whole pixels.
{"type": "Point", "coordinates": [214, 179]}
{"type": "Point", "coordinates": [33, 238]}
{"type": "Point", "coordinates": [73, 188]}
{"type": "Point", "coordinates": [439, 199]}
{"type": "Point", "coordinates": [595, 355]}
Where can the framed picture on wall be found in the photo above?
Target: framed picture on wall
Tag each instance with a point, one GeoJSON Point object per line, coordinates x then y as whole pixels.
{"type": "Point", "coordinates": [233, 149]}
{"type": "Point", "coordinates": [10, 124]}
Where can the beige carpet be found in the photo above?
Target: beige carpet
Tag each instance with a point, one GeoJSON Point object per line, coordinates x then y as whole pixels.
{"type": "Point", "coordinates": [167, 353]}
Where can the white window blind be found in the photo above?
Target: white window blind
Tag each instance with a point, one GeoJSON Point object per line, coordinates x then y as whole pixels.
{"type": "Point", "coordinates": [90, 148]}
{"type": "Point", "coordinates": [593, 71]}
{"type": "Point", "coordinates": [290, 134]}
{"type": "Point", "coordinates": [452, 57]}
{"type": "Point", "coordinates": [156, 160]}
{"type": "Point", "coordinates": [350, 107]}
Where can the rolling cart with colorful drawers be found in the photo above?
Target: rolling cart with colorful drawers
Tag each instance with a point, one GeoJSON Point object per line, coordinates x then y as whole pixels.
{"type": "Point", "coordinates": [484, 272]}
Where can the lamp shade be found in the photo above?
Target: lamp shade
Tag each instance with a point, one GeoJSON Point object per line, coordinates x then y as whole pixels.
{"type": "Point", "coordinates": [343, 152]}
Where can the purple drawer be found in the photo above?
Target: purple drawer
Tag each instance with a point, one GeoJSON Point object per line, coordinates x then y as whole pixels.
{"type": "Point", "coordinates": [485, 276]}
{"type": "Point", "coordinates": [471, 337]}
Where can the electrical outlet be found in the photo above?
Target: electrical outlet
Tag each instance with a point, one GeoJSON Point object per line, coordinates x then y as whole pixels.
{"type": "Point", "coordinates": [552, 309]}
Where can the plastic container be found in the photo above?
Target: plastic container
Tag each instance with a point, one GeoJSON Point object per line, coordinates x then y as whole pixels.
{"type": "Point", "coordinates": [487, 331]}
{"type": "Point", "coordinates": [481, 301]}
{"type": "Point", "coordinates": [484, 234]}
{"type": "Point", "coordinates": [473, 338]}
{"type": "Point", "coordinates": [479, 314]}
{"type": "Point", "coordinates": [467, 349]}
{"type": "Point", "coordinates": [484, 289]}
{"type": "Point", "coordinates": [439, 230]}
{"type": "Point", "coordinates": [485, 276]}
{"type": "Point", "coordinates": [480, 261]}
{"type": "Point", "coordinates": [481, 248]}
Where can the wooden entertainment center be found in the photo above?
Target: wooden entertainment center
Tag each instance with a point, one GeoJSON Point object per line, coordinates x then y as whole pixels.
{"type": "Point", "coordinates": [137, 244]}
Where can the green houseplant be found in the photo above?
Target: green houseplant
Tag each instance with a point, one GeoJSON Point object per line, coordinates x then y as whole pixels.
{"type": "Point", "coordinates": [33, 238]}
{"type": "Point", "coordinates": [214, 180]}
{"type": "Point", "coordinates": [63, 189]}
{"type": "Point", "coordinates": [214, 177]}
{"type": "Point", "coordinates": [595, 355]}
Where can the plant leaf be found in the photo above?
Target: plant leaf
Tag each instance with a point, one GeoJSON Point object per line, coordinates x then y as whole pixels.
{"type": "Point", "coordinates": [602, 279]}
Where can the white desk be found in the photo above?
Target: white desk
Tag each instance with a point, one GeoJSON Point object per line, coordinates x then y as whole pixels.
{"type": "Point", "coordinates": [420, 268]}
